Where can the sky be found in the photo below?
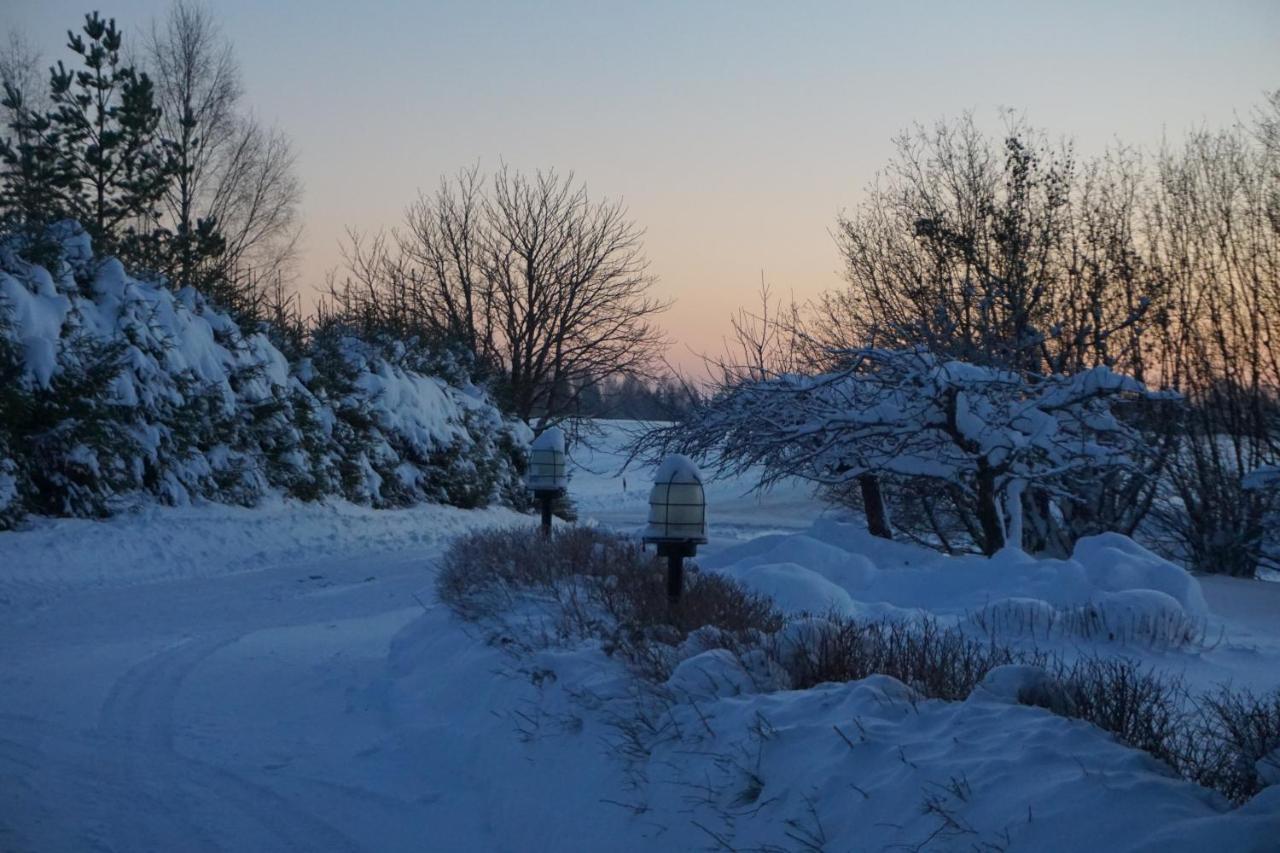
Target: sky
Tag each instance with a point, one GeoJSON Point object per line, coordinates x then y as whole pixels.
{"type": "Point", "coordinates": [735, 133]}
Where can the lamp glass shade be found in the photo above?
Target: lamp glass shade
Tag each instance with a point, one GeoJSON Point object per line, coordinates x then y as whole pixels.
{"type": "Point", "coordinates": [547, 470]}
{"type": "Point", "coordinates": [677, 504]}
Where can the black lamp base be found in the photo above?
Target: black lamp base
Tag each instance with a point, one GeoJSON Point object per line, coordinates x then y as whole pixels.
{"type": "Point", "coordinates": [675, 551]}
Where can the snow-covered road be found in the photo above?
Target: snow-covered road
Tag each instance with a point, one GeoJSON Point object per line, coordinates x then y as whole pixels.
{"type": "Point", "coordinates": [189, 714]}
{"type": "Point", "coordinates": [220, 679]}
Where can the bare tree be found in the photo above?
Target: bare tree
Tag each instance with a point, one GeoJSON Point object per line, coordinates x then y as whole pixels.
{"type": "Point", "coordinates": [20, 70]}
{"type": "Point", "coordinates": [1003, 252]}
{"type": "Point", "coordinates": [1212, 232]}
{"type": "Point", "coordinates": [765, 343]}
{"type": "Point", "coordinates": [445, 246]}
{"type": "Point", "coordinates": [544, 284]}
{"type": "Point", "coordinates": [236, 183]}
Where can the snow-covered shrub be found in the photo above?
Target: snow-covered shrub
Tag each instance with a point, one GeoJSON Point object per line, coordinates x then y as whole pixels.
{"type": "Point", "coordinates": [118, 390]}
{"type": "Point", "coordinates": [400, 437]}
{"type": "Point", "coordinates": [1137, 617]}
{"type": "Point", "coordinates": [1110, 590]}
{"type": "Point", "coordinates": [1024, 684]}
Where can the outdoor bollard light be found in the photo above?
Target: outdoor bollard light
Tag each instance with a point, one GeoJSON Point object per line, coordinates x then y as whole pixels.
{"type": "Point", "coordinates": [547, 478]}
{"type": "Point", "coordinates": [677, 517]}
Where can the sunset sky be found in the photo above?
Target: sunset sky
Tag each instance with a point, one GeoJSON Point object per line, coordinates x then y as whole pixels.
{"type": "Point", "coordinates": [734, 132]}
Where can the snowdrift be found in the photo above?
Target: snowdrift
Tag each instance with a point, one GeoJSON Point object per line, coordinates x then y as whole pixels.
{"type": "Point", "coordinates": [118, 391]}
{"type": "Point", "coordinates": [1110, 588]}
{"type": "Point", "coordinates": [709, 762]}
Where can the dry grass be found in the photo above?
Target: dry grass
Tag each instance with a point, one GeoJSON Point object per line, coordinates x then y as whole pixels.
{"type": "Point", "coordinates": [604, 585]}
{"type": "Point", "coordinates": [938, 662]}
{"type": "Point", "coordinates": [1235, 732]}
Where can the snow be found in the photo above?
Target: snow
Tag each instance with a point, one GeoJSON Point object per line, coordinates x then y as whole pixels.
{"type": "Point", "coordinates": [845, 553]}
{"type": "Point", "coordinates": [710, 675]}
{"type": "Point", "coordinates": [193, 543]}
{"type": "Point", "coordinates": [796, 588]}
{"type": "Point", "coordinates": [39, 313]}
{"type": "Point", "coordinates": [1269, 768]}
{"type": "Point", "coordinates": [677, 468]}
{"type": "Point", "coordinates": [608, 490]}
{"type": "Point", "coordinates": [1264, 477]}
{"type": "Point", "coordinates": [282, 678]}
{"type": "Point", "coordinates": [551, 438]}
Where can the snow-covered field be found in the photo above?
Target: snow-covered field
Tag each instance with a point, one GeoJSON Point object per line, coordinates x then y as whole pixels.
{"type": "Point", "coordinates": [213, 678]}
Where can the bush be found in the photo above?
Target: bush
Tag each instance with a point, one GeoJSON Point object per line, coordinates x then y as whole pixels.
{"type": "Point", "coordinates": [938, 662]}
{"type": "Point", "coordinates": [602, 585]}
{"type": "Point", "coordinates": [1221, 740]}
{"type": "Point", "coordinates": [1144, 709]}
{"type": "Point", "coordinates": [482, 570]}
{"type": "Point", "coordinates": [1238, 733]}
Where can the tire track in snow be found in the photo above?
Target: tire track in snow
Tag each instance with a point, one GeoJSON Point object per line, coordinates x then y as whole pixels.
{"type": "Point", "coordinates": [194, 796]}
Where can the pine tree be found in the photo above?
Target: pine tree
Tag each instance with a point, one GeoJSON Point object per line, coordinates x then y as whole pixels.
{"type": "Point", "coordinates": [107, 123]}
{"type": "Point", "coordinates": [35, 185]}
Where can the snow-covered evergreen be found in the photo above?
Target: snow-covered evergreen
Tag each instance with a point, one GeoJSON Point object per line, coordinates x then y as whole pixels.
{"type": "Point", "coordinates": [118, 390]}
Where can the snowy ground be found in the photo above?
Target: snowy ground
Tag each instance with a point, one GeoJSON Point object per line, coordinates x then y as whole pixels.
{"type": "Point", "coordinates": [282, 679]}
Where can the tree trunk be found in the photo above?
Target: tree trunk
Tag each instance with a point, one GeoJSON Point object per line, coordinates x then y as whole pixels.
{"type": "Point", "coordinates": [989, 510]}
{"type": "Point", "coordinates": [873, 504]}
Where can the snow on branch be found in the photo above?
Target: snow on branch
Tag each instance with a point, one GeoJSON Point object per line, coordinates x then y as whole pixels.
{"type": "Point", "coordinates": [909, 413]}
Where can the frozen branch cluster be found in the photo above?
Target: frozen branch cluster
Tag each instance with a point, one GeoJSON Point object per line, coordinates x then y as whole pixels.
{"type": "Point", "coordinates": [908, 413]}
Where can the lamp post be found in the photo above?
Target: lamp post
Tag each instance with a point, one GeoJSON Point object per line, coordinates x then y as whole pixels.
{"type": "Point", "coordinates": [677, 517]}
{"type": "Point", "coordinates": [547, 477]}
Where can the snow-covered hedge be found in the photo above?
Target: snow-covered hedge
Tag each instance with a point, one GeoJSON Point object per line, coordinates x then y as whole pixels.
{"type": "Point", "coordinates": [114, 391]}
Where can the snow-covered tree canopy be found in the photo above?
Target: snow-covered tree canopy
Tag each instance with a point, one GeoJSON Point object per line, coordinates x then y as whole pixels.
{"type": "Point", "coordinates": [910, 414]}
